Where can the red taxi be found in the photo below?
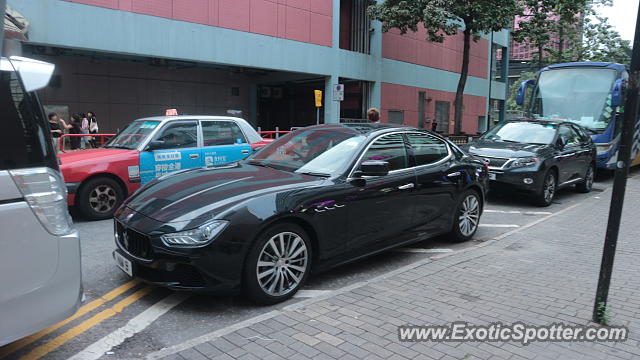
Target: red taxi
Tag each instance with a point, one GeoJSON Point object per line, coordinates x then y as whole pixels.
{"type": "Point", "coordinates": [98, 180]}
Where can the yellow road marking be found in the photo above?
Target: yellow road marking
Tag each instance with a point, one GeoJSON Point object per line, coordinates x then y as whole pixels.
{"type": "Point", "coordinates": [61, 339]}
{"type": "Point", "coordinates": [19, 344]}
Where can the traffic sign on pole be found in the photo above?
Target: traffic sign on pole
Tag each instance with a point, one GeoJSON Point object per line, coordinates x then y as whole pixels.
{"type": "Point", "coordinates": [318, 97]}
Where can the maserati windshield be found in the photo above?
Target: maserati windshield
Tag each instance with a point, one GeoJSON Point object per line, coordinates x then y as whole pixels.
{"type": "Point", "coordinates": [133, 135]}
{"type": "Point", "coordinates": [580, 95]}
{"type": "Point", "coordinates": [318, 152]}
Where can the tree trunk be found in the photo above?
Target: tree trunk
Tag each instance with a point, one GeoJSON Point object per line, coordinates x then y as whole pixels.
{"type": "Point", "coordinates": [540, 48]}
{"type": "Point", "coordinates": [561, 44]}
{"type": "Point", "coordinates": [464, 72]}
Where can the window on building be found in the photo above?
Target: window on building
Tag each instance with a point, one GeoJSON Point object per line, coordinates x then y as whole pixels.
{"type": "Point", "coordinates": [498, 62]}
{"type": "Point", "coordinates": [442, 116]}
{"type": "Point", "coordinates": [355, 26]}
{"type": "Point", "coordinates": [396, 116]}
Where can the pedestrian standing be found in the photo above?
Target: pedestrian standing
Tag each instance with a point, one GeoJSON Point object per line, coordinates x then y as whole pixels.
{"type": "Point", "coordinates": [76, 128]}
{"type": "Point", "coordinates": [434, 125]}
{"type": "Point", "coordinates": [373, 115]}
{"type": "Point", "coordinates": [56, 130]}
{"type": "Point", "coordinates": [84, 127]}
{"type": "Point", "coordinates": [93, 127]}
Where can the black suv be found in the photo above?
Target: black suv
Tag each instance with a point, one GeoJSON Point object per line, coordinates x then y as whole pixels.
{"type": "Point", "coordinates": [538, 157]}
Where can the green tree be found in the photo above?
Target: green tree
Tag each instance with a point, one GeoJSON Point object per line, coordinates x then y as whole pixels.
{"type": "Point", "coordinates": [546, 25]}
{"type": "Point", "coordinates": [443, 18]}
{"type": "Point", "coordinates": [597, 41]}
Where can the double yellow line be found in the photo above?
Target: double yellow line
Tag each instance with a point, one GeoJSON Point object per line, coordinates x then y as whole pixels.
{"type": "Point", "coordinates": [61, 339]}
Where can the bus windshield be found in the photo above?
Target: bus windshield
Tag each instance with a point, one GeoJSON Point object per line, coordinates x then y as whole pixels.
{"type": "Point", "coordinates": [580, 95]}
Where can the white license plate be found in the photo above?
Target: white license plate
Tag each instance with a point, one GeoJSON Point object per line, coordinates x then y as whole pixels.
{"type": "Point", "coordinates": [492, 176]}
{"type": "Point", "coordinates": [123, 264]}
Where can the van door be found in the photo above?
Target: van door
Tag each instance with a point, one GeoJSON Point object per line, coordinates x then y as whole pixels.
{"type": "Point", "coordinates": [223, 142]}
{"type": "Point", "coordinates": [175, 147]}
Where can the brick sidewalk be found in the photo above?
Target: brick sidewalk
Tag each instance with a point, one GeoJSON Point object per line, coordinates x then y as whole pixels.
{"type": "Point", "coordinates": [540, 275]}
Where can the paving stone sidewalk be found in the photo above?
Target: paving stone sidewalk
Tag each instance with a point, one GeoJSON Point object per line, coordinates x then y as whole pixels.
{"type": "Point", "coordinates": [541, 275]}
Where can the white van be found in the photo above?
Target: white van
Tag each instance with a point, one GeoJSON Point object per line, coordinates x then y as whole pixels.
{"type": "Point", "coordinates": [40, 281]}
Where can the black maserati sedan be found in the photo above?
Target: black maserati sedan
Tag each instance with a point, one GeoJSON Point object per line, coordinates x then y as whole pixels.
{"type": "Point", "coordinates": [538, 157]}
{"type": "Point", "coordinates": [313, 199]}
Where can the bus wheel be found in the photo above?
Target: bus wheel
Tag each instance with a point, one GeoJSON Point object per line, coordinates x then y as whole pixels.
{"type": "Point", "coordinates": [99, 198]}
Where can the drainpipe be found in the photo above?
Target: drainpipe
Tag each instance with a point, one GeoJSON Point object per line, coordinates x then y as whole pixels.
{"type": "Point", "coordinates": [488, 120]}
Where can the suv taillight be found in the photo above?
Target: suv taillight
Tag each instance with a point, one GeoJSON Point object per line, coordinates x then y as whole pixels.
{"type": "Point", "coordinates": [46, 194]}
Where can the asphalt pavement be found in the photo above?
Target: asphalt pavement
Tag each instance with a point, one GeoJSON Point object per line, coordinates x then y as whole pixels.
{"type": "Point", "coordinates": [129, 320]}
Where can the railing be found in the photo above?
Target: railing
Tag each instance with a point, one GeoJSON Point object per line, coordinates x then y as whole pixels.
{"type": "Point", "coordinates": [272, 134]}
{"type": "Point", "coordinates": [462, 139]}
{"type": "Point", "coordinates": [101, 136]}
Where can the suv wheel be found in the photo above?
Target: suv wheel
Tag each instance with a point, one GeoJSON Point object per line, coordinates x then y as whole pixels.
{"type": "Point", "coordinates": [586, 185]}
{"type": "Point", "coordinates": [544, 197]}
{"type": "Point", "coordinates": [277, 265]}
{"type": "Point", "coordinates": [99, 198]}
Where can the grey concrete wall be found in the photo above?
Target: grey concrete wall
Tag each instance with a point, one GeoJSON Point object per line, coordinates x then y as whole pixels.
{"type": "Point", "coordinates": [120, 92]}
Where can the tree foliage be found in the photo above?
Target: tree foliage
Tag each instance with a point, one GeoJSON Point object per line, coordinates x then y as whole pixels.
{"type": "Point", "coordinates": [570, 30]}
{"type": "Point", "coordinates": [442, 18]}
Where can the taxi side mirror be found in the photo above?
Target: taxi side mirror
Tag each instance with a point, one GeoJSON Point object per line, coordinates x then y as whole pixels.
{"type": "Point", "coordinates": [155, 145]}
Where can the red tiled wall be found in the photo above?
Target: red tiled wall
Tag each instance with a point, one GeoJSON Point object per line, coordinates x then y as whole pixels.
{"type": "Point", "coordinates": [413, 48]}
{"type": "Point", "coordinates": [400, 97]}
{"type": "Point", "coordinates": [302, 20]}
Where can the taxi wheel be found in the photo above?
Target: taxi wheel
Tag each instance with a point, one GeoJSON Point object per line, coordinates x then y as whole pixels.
{"type": "Point", "coordinates": [277, 265]}
{"type": "Point", "coordinates": [99, 198]}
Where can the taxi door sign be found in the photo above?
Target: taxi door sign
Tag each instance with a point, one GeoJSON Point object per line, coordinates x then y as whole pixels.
{"type": "Point", "coordinates": [318, 95]}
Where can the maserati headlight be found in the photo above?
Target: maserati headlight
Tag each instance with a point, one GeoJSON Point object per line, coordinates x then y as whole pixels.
{"type": "Point", "coordinates": [196, 237]}
{"type": "Point", "coordinates": [524, 162]}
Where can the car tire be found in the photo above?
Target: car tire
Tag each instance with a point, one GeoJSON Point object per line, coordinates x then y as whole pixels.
{"type": "Point", "coordinates": [467, 217]}
{"type": "Point", "coordinates": [548, 189]}
{"type": "Point", "coordinates": [586, 185]}
{"type": "Point", "coordinates": [272, 275]}
{"type": "Point", "coordinates": [98, 198]}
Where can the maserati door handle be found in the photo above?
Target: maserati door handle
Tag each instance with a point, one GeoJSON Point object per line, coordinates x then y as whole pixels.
{"type": "Point", "coordinates": [193, 156]}
{"type": "Point", "coordinates": [406, 186]}
{"type": "Point", "coordinates": [244, 151]}
{"type": "Point", "coordinates": [454, 174]}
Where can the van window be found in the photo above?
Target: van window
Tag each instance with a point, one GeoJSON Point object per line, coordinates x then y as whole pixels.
{"type": "Point", "coordinates": [24, 139]}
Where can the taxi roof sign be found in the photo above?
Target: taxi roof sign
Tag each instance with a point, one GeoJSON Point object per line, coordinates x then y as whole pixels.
{"type": "Point", "coordinates": [171, 112]}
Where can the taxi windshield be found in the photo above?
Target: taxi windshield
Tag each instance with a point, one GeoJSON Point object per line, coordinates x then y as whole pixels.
{"type": "Point", "coordinates": [133, 135]}
{"type": "Point", "coordinates": [317, 152]}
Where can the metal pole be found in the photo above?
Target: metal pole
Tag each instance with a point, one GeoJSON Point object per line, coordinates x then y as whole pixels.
{"type": "Point", "coordinates": [317, 116]}
{"type": "Point", "coordinates": [620, 181]}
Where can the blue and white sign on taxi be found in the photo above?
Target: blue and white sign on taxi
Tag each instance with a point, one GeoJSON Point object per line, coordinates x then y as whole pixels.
{"type": "Point", "coordinates": [188, 143]}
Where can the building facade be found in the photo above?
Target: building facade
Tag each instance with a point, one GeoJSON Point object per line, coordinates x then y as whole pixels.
{"type": "Point", "coordinates": [259, 59]}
